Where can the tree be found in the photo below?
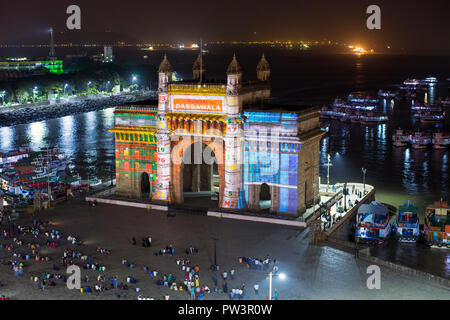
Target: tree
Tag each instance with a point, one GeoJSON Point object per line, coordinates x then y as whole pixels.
{"type": "Point", "coordinates": [22, 96]}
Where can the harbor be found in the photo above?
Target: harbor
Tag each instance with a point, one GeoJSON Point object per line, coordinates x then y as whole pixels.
{"type": "Point", "coordinates": [359, 161]}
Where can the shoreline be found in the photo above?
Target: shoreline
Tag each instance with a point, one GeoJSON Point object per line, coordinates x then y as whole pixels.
{"type": "Point", "coordinates": [23, 114]}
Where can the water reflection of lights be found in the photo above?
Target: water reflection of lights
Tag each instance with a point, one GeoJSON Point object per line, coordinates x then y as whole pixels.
{"type": "Point", "coordinates": [444, 169]}
{"type": "Point", "coordinates": [381, 132]}
{"type": "Point", "coordinates": [108, 115]}
{"type": "Point", "coordinates": [37, 132]}
{"type": "Point", "coordinates": [7, 136]}
{"type": "Point", "coordinates": [67, 134]}
{"type": "Point", "coordinates": [407, 155]}
{"type": "Point", "coordinates": [91, 127]}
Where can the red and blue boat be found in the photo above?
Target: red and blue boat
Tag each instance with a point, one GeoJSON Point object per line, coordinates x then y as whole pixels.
{"type": "Point", "coordinates": [372, 223]}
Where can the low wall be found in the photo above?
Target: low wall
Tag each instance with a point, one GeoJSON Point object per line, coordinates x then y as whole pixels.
{"type": "Point", "coordinates": [147, 206]}
{"type": "Point", "coordinates": [364, 254]}
{"type": "Point", "coordinates": [406, 270]}
{"type": "Point", "coordinates": [256, 219]}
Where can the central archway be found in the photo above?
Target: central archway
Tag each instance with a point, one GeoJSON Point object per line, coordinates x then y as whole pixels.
{"type": "Point", "coordinates": [199, 178]}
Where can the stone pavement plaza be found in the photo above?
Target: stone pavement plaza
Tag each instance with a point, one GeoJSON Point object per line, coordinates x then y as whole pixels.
{"type": "Point", "coordinates": [313, 272]}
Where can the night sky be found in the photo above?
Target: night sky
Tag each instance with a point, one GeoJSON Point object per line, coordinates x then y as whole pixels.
{"type": "Point", "coordinates": [410, 24]}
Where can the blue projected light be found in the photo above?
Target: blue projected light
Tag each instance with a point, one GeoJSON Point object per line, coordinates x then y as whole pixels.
{"type": "Point", "coordinates": [263, 165]}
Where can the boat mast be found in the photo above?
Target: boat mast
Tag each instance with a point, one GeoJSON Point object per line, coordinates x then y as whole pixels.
{"type": "Point", "coordinates": [49, 190]}
{"type": "Point", "coordinates": [201, 60]}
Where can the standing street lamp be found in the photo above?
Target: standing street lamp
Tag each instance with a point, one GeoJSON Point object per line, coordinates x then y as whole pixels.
{"type": "Point", "coordinates": [65, 86]}
{"type": "Point", "coordinates": [282, 276]}
{"type": "Point", "coordinates": [364, 170]}
{"type": "Point", "coordinates": [215, 266]}
{"type": "Point", "coordinates": [345, 196]}
{"type": "Point", "coordinates": [328, 164]}
{"type": "Point", "coordinates": [134, 80]}
{"type": "Point", "coordinates": [35, 91]}
{"type": "Point", "coordinates": [3, 93]}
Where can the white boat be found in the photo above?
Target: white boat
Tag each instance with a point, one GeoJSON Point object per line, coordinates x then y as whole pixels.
{"type": "Point", "coordinates": [401, 138]}
{"type": "Point", "coordinates": [420, 141]}
{"type": "Point", "coordinates": [360, 98]}
{"type": "Point", "coordinates": [386, 94]}
{"type": "Point", "coordinates": [355, 118]}
{"type": "Point", "coordinates": [411, 82]}
{"type": "Point", "coordinates": [441, 140]}
{"type": "Point", "coordinates": [426, 107]}
{"type": "Point", "coordinates": [373, 119]}
{"type": "Point", "coordinates": [431, 117]}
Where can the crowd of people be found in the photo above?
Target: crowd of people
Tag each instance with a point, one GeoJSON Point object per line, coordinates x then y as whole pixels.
{"type": "Point", "coordinates": [23, 245]}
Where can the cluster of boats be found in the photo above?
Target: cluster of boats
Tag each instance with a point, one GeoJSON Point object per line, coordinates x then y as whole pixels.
{"type": "Point", "coordinates": [373, 224]}
{"type": "Point", "coordinates": [411, 87]}
{"type": "Point", "coordinates": [428, 113]}
{"type": "Point", "coordinates": [420, 140]}
{"type": "Point", "coordinates": [24, 172]}
{"type": "Point", "coordinates": [356, 108]}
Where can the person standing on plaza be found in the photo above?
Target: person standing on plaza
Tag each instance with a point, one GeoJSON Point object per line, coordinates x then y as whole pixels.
{"type": "Point", "coordinates": [232, 274]}
{"type": "Point", "coordinates": [225, 275]}
{"type": "Point", "coordinates": [276, 295]}
{"type": "Point", "coordinates": [215, 279]}
{"type": "Point", "coordinates": [256, 287]}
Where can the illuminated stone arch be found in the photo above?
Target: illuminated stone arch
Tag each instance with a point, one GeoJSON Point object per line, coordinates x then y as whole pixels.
{"type": "Point", "coordinates": [180, 148]}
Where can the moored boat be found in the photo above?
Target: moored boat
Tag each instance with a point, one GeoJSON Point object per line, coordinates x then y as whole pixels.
{"type": "Point", "coordinates": [401, 138]}
{"type": "Point", "coordinates": [373, 119]}
{"type": "Point", "coordinates": [386, 94]}
{"type": "Point", "coordinates": [407, 223]}
{"type": "Point", "coordinates": [372, 223]}
{"type": "Point", "coordinates": [420, 141]}
{"type": "Point", "coordinates": [441, 140]}
{"type": "Point", "coordinates": [437, 225]}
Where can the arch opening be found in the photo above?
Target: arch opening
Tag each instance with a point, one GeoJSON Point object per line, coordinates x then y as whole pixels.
{"type": "Point", "coordinates": [199, 175]}
{"type": "Point", "coordinates": [265, 197]}
{"type": "Point", "coordinates": [145, 186]}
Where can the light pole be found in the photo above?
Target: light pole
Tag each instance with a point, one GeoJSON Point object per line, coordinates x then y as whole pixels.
{"type": "Point", "coordinates": [214, 267]}
{"type": "Point", "coordinates": [134, 79]}
{"type": "Point", "coordinates": [3, 93]}
{"type": "Point", "coordinates": [35, 90]}
{"type": "Point", "coordinates": [282, 276]}
{"type": "Point", "coordinates": [345, 196]}
{"type": "Point", "coordinates": [364, 170]}
{"type": "Point", "coordinates": [328, 164]}
{"type": "Point", "coordinates": [65, 86]}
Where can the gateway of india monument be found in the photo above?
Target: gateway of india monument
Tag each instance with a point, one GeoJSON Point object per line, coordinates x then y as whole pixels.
{"type": "Point", "coordinates": [224, 138]}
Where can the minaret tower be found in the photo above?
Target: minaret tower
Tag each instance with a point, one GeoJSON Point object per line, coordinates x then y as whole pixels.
{"type": "Point", "coordinates": [162, 192]}
{"type": "Point", "coordinates": [233, 138]}
{"type": "Point", "coordinates": [263, 69]}
{"type": "Point", "coordinates": [198, 69]}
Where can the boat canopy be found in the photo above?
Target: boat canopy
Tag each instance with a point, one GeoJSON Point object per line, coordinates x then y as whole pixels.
{"type": "Point", "coordinates": [376, 209]}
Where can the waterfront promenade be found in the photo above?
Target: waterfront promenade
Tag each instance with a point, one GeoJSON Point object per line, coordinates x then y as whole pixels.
{"type": "Point", "coordinates": [33, 112]}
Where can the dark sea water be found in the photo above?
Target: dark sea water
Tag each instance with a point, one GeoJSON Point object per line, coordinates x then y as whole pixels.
{"type": "Point", "coordinates": [298, 78]}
